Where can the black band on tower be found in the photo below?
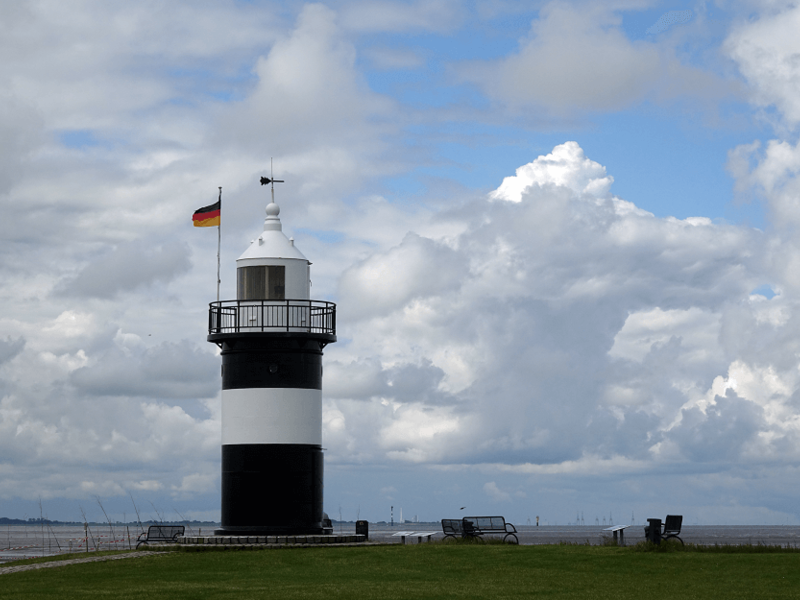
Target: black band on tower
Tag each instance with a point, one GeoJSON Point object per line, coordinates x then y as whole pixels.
{"type": "Point", "coordinates": [264, 363]}
{"type": "Point", "coordinates": [271, 489]}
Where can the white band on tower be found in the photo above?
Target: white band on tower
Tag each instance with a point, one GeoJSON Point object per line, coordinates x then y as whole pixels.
{"type": "Point", "coordinates": [272, 416]}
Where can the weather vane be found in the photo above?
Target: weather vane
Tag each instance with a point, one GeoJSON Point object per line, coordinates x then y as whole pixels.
{"type": "Point", "coordinates": [271, 180]}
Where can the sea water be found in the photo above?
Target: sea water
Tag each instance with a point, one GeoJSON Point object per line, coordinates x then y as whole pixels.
{"type": "Point", "coordinates": [30, 541]}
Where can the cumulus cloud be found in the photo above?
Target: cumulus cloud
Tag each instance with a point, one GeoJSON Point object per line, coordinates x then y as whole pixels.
{"type": "Point", "coordinates": [495, 493]}
{"type": "Point", "coordinates": [312, 107]}
{"type": "Point", "coordinates": [168, 370]}
{"type": "Point", "coordinates": [22, 131]}
{"type": "Point", "coordinates": [10, 348]}
{"type": "Point", "coordinates": [109, 73]}
{"type": "Point", "coordinates": [769, 173]}
{"type": "Point", "coordinates": [578, 326]}
{"type": "Point", "coordinates": [566, 166]}
{"type": "Point", "coordinates": [765, 49]}
{"type": "Point", "coordinates": [130, 127]}
{"type": "Point", "coordinates": [383, 16]}
{"type": "Point", "coordinates": [126, 268]}
{"type": "Point", "coordinates": [541, 334]}
{"type": "Point", "coordinates": [721, 432]}
{"type": "Point", "coordinates": [577, 58]}
{"type": "Point", "coordinates": [417, 268]}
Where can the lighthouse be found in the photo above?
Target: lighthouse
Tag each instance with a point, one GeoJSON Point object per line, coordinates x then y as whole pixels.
{"type": "Point", "coordinates": [271, 340]}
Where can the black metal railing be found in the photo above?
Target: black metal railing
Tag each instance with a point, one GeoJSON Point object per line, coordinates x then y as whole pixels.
{"type": "Point", "coordinates": [254, 316]}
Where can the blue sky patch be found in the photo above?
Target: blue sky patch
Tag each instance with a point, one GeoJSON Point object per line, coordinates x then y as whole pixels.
{"type": "Point", "coordinates": [764, 290]}
{"type": "Point", "coordinates": [78, 138]}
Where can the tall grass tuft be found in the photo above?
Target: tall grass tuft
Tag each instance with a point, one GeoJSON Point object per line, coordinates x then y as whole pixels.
{"type": "Point", "coordinates": [675, 546]}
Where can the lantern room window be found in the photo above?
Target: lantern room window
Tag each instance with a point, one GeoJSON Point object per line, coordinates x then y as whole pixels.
{"type": "Point", "coordinates": [261, 283]}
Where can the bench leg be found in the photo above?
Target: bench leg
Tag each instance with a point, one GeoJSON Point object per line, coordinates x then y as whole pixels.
{"type": "Point", "coordinates": [675, 537]}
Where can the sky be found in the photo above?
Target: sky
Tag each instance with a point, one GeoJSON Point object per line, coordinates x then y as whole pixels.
{"type": "Point", "coordinates": [562, 238]}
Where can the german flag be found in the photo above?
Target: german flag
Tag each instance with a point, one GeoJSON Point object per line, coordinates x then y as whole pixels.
{"type": "Point", "coordinates": [208, 216]}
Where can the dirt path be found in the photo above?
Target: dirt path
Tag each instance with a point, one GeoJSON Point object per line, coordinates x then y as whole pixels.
{"type": "Point", "coordinates": [73, 561]}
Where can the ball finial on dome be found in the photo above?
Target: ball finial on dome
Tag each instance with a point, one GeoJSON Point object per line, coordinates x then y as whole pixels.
{"type": "Point", "coordinates": [272, 222]}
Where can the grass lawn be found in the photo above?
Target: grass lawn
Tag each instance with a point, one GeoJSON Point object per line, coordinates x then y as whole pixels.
{"type": "Point", "coordinates": [421, 571]}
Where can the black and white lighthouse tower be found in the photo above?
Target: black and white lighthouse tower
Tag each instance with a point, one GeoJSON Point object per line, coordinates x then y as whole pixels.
{"type": "Point", "coordinates": [271, 339]}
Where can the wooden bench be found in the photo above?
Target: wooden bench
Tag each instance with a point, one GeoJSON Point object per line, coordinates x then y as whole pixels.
{"type": "Point", "coordinates": [452, 528]}
{"type": "Point", "coordinates": [160, 533]}
{"type": "Point", "coordinates": [671, 528]}
{"type": "Point", "coordinates": [484, 525]}
{"type": "Point", "coordinates": [474, 527]}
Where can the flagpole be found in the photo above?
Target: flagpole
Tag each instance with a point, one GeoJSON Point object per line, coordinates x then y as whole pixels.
{"type": "Point", "coordinates": [219, 238]}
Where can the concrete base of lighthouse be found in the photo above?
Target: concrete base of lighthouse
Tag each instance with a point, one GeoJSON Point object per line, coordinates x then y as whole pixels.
{"type": "Point", "coordinates": [255, 541]}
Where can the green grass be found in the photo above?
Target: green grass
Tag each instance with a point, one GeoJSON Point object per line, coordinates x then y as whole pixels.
{"type": "Point", "coordinates": [421, 571]}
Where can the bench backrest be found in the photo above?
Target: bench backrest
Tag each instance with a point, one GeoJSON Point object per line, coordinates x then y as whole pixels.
{"type": "Point", "coordinates": [672, 524]}
{"type": "Point", "coordinates": [487, 523]}
{"type": "Point", "coordinates": [164, 532]}
{"type": "Point", "coordinates": [452, 526]}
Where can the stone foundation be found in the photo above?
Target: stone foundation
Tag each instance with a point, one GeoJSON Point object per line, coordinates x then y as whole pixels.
{"type": "Point", "coordinates": [270, 540]}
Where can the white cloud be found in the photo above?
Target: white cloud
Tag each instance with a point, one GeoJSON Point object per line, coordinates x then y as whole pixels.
{"type": "Point", "coordinates": [495, 493]}
{"type": "Point", "coordinates": [387, 16]}
{"type": "Point", "coordinates": [698, 331]}
{"type": "Point", "coordinates": [22, 131]}
{"type": "Point", "coordinates": [114, 136]}
{"type": "Point", "coordinates": [86, 64]}
{"type": "Point", "coordinates": [566, 166]}
{"type": "Point", "coordinates": [544, 333]}
{"type": "Point", "coordinates": [577, 58]}
{"type": "Point", "coordinates": [312, 107]}
{"type": "Point", "coordinates": [169, 370]}
{"type": "Point", "coordinates": [765, 50]}
{"type": "Point", "coordinates": [772, 174]}
{"type": "Point", "coordinates": [126, 268]}
{"type": "Point", "coordinates": [587, 328]}
{"type": "Point", "coordinates": [417, 268]}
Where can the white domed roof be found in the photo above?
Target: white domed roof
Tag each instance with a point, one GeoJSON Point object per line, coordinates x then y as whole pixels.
{"type": "Point", "coordinates": [272, 243]}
